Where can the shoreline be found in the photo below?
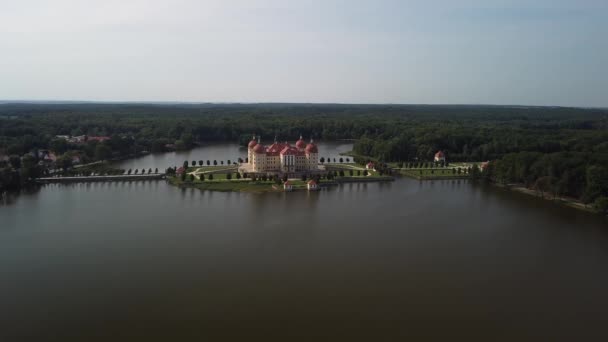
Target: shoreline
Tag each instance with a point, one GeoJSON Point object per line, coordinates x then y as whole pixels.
{"type": "Point", "coordinates": [569, 202]}
{"type": "Point", "coordinates": [246, 185]}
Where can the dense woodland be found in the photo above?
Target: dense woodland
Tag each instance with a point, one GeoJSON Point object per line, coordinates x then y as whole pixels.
{"type": "Point", "coordinates": [564, 150]}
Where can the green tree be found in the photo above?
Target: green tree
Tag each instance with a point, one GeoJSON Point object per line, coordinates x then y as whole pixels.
{"type": "Point", "coordinates": [210, 176]}
{"type": "Point", "coordinates": [475, 172]}
{"type": "Point", "coordinates": [15, 161]}
{"type": "Point", "coordinates": [601, 205]}
{"type": "Point", "coordinates": [200, 163]}
{"type": "Point", "coordinates": [64, 162]}
{"type": "Point", "coordinates": [102, 152]}
{"type": "Point", "coordinates": [59, 146]}
{"type": "Point", "coordinates": [543, 185]}
{"type": "Point", "coordinates": [229, 176]}
{"type": "Point", "coordinates": [322, 160]}
{"type": "Point", "coordinates": [29, 168]}
{"type": "Point", "coordinates": [201, 177]}
{"type": "Point", "coordinates": [596, 183]}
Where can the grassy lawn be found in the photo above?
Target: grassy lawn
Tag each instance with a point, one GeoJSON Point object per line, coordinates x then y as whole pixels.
{"type": "Point", "coordinates": [204, 169]}
{"type": "Point", "coordinates": [223, 184]}
{"type": "Point", "coordinates": [346, 166]}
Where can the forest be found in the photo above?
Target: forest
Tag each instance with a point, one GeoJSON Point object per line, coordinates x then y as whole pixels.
{"type": "Point", "coordinates": [564, 150]}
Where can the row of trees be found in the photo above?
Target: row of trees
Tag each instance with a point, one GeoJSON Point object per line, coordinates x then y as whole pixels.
{"type": "Point", "coordinates": [582, 176]}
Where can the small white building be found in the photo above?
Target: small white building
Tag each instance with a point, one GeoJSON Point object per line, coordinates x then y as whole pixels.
{"type": "Point", "coordinates": [287, 186]}
{"type": "Point", "coordinates": [439, 157]}
{"type": "Point", "coordinates": [312, 185]}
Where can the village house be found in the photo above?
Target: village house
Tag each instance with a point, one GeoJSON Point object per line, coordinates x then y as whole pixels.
{"type": "Point", "coordinates": [439, 157]}
{"type": "Point", "coordinates": [287, 186]}
{"type": "Point", "coordinates": [312, 185]}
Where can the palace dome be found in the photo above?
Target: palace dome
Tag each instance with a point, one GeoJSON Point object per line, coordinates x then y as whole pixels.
{"type": "Point", "coordinates": [300, 143]}
{"type": "Point", "coordinates": [312, 148]}
{"type": "Point", "coordinates": [259, 149]}
{"type": "Point", "coordinates": [252, 143]}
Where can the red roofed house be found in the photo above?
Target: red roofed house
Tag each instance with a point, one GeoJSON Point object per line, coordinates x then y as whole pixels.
{"type": "Point", "coordinates": [287, 186]}
{"type": "Point", "coordinates": [439, 157]}
{"type": "Point", "coordinates": [483, 166]}
{"type": "Point", "coordinates": [99, 139]}
{"type": "Point", "coordinates": [180, 170]}
{"type": "Point", "coordinates": [281, 157]}
{"type": "Point", "coordinates": [370, 166]}
{"type": "Point", "coordinates": [312, 185]}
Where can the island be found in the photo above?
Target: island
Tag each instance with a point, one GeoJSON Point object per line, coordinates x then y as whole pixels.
{"type": "Point", "coordinates": [275, 168]}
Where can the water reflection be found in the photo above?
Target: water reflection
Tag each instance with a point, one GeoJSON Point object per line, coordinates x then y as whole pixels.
{"type": "Point", "coordinates": [406, 252]}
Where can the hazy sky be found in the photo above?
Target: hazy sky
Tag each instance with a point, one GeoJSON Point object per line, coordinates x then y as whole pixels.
{"type": "Point", "coordinates": [541, 52]}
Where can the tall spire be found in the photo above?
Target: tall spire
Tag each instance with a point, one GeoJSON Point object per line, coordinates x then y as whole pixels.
{"type": "Point", "coordinates": [300, 136]}
{"type": "Point", "coordinates": [275, 138]}
{"type": "Point", "coordinates": [258, 139]}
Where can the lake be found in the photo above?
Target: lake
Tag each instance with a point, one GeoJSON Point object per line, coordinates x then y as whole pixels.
{"type": "Point", "coordinates": [442, 260]}
{"type": "Point", "coordinates": [219, 152]}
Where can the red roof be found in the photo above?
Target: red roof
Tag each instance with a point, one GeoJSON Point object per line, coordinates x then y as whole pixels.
{"type": "Point", "coordinates": [439, 154]}
{"type": "Point", "coordinates": [287, 183]}
{"type": "Point", "coordinates": [284, 148]}
{"type": "Point", "coordinates": [98, 138]}
{"type": "Point", "coordinates": [312, 148]}
{"type": "Point", "coordinates": [180, 170]}
{"type": "Point", "coordinates": [252, 143]}
{"type": "Point", "coordinates": [300, 143]}
{"type": "Point", "coordinates": [290, 151]}
{"type": "Point", "coordinates": [312, 182]}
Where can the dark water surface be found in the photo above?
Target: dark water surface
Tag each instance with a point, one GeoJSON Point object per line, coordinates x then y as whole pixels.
{"type": "Point", "coordinates": [376, 262]}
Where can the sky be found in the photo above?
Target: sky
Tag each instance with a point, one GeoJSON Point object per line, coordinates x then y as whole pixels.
{"type": "Point", "coordinates": [541, 52]}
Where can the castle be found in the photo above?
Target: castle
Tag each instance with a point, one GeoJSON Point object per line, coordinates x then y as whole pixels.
{"type": "Point", "coordinates": [281, 157]}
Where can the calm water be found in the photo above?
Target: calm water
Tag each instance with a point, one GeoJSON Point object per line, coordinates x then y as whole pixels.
{"type": "Point", "coordinates": [218, 152]}
{"type": "Point", "coordinates": [373, 262]}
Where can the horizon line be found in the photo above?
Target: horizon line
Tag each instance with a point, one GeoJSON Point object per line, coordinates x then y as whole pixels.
{"type": "Point", "coordinates": [174, 102]}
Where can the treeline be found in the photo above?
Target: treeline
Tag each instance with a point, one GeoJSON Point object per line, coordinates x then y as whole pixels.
{"type": "Point", "coordinates": [557, 155]}
{"type": "Point", "coordinates": [581, 175]}
{"type": "Point", "coordinates": [555, 144]}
